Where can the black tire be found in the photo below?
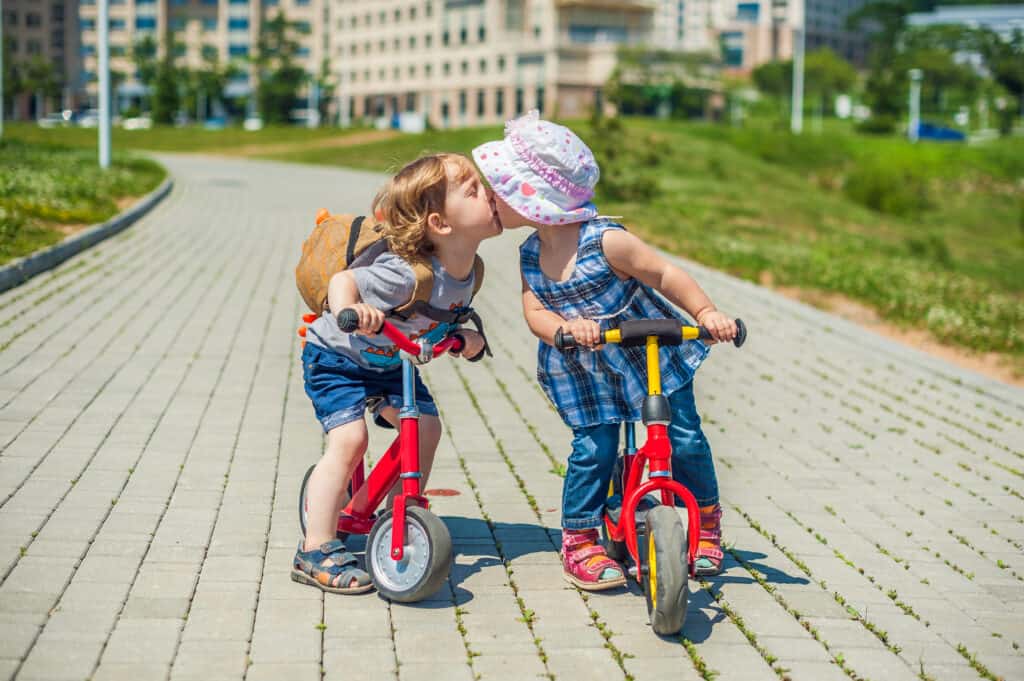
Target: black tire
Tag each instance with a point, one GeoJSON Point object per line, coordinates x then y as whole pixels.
{"type": "Point", "coordinates": [425, 533]}
{"type": "Point", "coordinates": [665, 570]}
{"type": "Point", "coordinates": [616, 550]}
{"type": "Point", "coordinates": [302, 504]}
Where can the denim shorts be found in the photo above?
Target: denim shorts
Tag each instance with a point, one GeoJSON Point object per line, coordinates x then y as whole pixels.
{"type": "Point", "coordinates": [340, 389]}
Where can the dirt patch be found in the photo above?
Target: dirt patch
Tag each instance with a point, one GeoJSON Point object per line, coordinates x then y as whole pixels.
{"type": "Point", "coordinates": [991, 364]}
{"type": "Point", "coordinates": [320, 143]}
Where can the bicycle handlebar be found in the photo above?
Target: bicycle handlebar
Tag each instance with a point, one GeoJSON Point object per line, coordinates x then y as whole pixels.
{"type": "Point", "coordinates": [635, 332]}
{"type": "Point", "coordinates": [348, 321]}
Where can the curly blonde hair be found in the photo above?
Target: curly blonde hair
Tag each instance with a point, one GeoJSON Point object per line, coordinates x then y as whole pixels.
{"type": "Point", "coordinates": [407, 200]}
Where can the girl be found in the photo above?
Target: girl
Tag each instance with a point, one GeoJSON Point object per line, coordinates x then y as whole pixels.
{"type": "Point", "coordinates": [436, 210]}
{"type": "Point", "coordinates": [584, 273]}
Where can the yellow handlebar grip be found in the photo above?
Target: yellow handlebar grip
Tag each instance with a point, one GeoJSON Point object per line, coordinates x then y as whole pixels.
{"type": "Point", "coordinates": [612, 336]}
{"type": "Point", "coordinates": [691, 333]}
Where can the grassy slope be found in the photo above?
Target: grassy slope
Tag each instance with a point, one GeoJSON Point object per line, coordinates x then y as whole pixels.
{"type": "Point", "coordinates": [166, 138]}
{"type": "Point", "coordinates": [44, 187]}
{"type": "Point", "coordinates": [760, 202]}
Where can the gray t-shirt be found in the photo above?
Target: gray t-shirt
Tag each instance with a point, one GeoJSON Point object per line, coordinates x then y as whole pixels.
{"type": "Point", "coordinates": [386, 283]}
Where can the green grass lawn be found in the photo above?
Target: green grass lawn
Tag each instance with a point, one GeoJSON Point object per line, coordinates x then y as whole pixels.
{"type": "Point", "coordinates": [929, 235]}
{"type": "Point", "coordinates": [45, 190]}
{"type": "Point", "coordinates": [169, 139]}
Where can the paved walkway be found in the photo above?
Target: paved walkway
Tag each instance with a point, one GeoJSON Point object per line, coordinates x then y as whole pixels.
{"type": "Point", "coordinates": [154, 432]}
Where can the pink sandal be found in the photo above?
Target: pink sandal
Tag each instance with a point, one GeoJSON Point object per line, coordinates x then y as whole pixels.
{"type": "Point", "coordinates": [585, 563]}
{"type": "Point", "coordinates": [709, 549]}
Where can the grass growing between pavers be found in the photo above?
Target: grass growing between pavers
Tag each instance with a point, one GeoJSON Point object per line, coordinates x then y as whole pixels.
{"type": "Point", "coordinates": [46, 192]}
{"type": "Point", "coordinates": [953, 265]}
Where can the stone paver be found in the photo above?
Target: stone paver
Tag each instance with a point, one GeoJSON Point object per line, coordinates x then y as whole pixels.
{"type": "Point", "coordinates": [151, 452]}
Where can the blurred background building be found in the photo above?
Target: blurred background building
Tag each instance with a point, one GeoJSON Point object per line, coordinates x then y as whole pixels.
{"type": "Point", "coordinates": [452, 62]}
{"type": "Point", "coordinates": [43, 38]}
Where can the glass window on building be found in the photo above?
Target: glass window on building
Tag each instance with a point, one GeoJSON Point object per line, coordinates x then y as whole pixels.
{"type": "Point", "coordinates": [57, 13]}
{"type": "Point", "coordinates": [179, 49]}
{"type": "Point", "coordinates": [238, 50]}
{"type": "Point", "coordinates": [177, 23]}
{"type": "Point", "coordinates": [382, 46]}
{"type": "Point", "coordinates": [410, 101]}
{"type": "Point", "coordinates": [412, 42]}
{"type": "Point", "coordinates": [398, 16]}
{"type": "Point", "coordinates": [446, 69]}
{"type": "Point", "coordinates": [120, 24]}
{"type": "Point", "coordinates": [238, 23]}
{"type": "Point", "coordinates": [412, 71]}
{"type": "Point", "coordinates": [354, 76]}
{"type": "Point", "coordinates": [210, 52]}
{"type": "Point", "coordinates": [88, 50]}
{"type": "Point", "coordinates": [301, 3]}
{"type": "Point", "coordinates": [462, 102]}
{"type": "Point", "coordinates": [732, 48]}
{"type": "Point", "coordinates": [396, 74]}
{"type": "Point", "coordinates": [519, 101]}
{"type": "Point", "coordinates": [118, 51]}
{"type": "Point", "coordinates": [11, 17]}
{"type": "Point", "coordinates": [382, 17]}
{"type": "Point", "coordinates": [412, 13]}
{"type": "Point", "coordinates": [430, 9]}
{"type": "Point", "coordinates": [465, 67]}
{"type": "Point", "coordinates": [463, 35]}
{"type": "Point", "coordinates": [481, 33]}
{"type": "Point", "coordinates": [88, 24]}
{"type": "Point", "coordinates": [499, 102]}
{"type": "Point", "coordinates": [302, 51]}
{"type": "Point", "coordinates": [483, 66]}
{"type": "Point", "coordinates": [33, 47]}
{"type": "Point", "coordinates": [429, 40]}
{"type": "Point", "coordinates": [481, 103]}
{"type": "Point", "coordinates": [446, 37]}
{"type": "Point", "coordinates": [501, 63]}
{"type": "Point", "coordinates": [398, 44]}
{"type": "Point", "coordinates": [444, 111]}
{"type": "Point", "coordinates": [238, 2]}
{"type": "Point", "coordinates": [33, 19]}
{"type": "Point", "coordinates": [747, 11]}
{"type": "Point", "coordinates": [302, 27]}
{"type": "Point", "coordinates": [540, 99]}
{"type": "Point", "coordinates": [428, 70]}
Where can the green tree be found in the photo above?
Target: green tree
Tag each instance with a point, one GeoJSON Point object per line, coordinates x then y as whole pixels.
{"type": "Point", "coordinates": [12, 75]}
{"type": "Point", "coordinates": [325, 84]}
{"type": "Point", "coordinates": [280, 77]}
{"type": "Point", "coordinates": [887, 20]}
{"type": "Point", "coordinates": [826, 75]}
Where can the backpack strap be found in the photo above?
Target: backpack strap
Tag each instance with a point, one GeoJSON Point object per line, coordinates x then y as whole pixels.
{"type": "Point", "coordinates": [419, 302]}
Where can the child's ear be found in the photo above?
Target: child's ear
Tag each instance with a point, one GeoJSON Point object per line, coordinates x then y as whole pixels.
{"type": "Point", "coordinates": [436, 224]}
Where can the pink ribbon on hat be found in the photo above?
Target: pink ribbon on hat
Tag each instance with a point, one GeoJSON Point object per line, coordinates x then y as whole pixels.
{"type": "Point", "coordinates": [550, 175]}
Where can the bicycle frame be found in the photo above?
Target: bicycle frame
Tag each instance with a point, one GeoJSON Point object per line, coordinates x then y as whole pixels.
{"type": "Point", "coordinates": [401, 461]}
{"type": "Point", "coordinates": [656, 454]}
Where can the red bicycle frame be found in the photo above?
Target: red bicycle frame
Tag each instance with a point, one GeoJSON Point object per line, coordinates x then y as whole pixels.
{"type": "Point", "coordinates": [657, 454]}
{"type": "Point", "coordinates": [402, 459]}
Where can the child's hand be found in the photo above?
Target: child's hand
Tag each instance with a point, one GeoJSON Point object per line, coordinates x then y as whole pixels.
{"type": "Point", "coordinates": [586, 332]}
{"type": "Point", "coordinates": [370, 319]}
{"type": "Point", "coordinates": [721, 327]}
{"type": "Point", "coordinates": [474, 344]}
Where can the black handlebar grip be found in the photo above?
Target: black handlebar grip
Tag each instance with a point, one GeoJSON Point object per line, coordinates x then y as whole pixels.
{"type": "Point", "coordinates": [703, 334]}
{"type": "Point", "coordinates": [741, 334]}
{"type": "Point", "coordinates": [348, 320]}
{"type": "Point", "coordinates": [564, 340]}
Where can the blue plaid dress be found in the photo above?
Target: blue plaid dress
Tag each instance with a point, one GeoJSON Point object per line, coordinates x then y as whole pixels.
{"type": "Point", "coordinates": [609, 385]}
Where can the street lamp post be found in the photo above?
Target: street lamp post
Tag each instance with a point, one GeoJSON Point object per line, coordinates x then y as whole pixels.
{"type": "Point", "coordinates": [104, 83]}
{"type": "Point", "coordinates": [796, 121]}
{"type": "Point", "coordinates": [915, 104]}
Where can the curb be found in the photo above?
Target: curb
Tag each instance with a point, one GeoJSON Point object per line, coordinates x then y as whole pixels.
{"type": "Point", "coordinates": [21, 270]}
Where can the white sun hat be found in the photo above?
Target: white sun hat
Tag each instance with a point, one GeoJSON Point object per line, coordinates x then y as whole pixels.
{"type": "Point", "coordinates": [542, 170]}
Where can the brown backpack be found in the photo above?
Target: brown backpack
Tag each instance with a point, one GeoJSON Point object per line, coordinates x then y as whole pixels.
{"type": "Point", "coordinates": [340, 242]}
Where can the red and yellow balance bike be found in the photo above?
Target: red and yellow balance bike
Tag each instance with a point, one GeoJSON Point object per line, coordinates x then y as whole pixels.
{"type": "Point", "coordinates": [641, 525]}
{"type": "Point", "coordinates": [409, 549]}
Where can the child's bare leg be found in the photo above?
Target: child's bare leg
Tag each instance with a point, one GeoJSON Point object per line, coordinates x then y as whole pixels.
{"type": "Point", "coordinates": [325, 492]}
{"type": "Point", "coordinates": [430, 436]}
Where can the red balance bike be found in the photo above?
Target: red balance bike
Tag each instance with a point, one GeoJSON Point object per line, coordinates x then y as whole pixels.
{"type": "Point", "coordinates": [641, 525]}
{"type": "Point", "coordinates": [409, 549]}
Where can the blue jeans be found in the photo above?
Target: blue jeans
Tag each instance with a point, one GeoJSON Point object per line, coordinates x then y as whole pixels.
{"type": "Point", "coordinates": [593, 457]}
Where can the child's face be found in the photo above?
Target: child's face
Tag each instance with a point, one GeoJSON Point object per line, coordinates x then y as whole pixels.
{"type": "Point", "coordinates": [469, 207]}
{"type": "Point", "coordinates": [509, 217]}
